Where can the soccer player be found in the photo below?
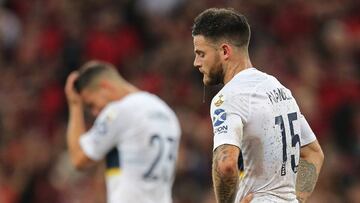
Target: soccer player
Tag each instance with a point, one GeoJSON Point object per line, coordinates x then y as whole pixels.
{"type": "Point", "coordinates": [135, 132]}
{"type": "Point", "coordinates": [255, 119]}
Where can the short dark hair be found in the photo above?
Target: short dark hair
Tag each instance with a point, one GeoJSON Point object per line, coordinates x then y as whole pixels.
{"type": "Point", "coordinates": [89, 72]}
{"type": "Point", "coordinates": [222, 23]}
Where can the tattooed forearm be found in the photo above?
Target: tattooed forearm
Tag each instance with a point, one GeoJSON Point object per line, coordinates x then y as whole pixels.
{"type": "Point", "coordinates": [225, 187]}
{"type": "Point", "coordinates": [225, 180]}
{"type": "Point", "coordinates": [306, 180]}
{"type": "Point", "coordinates": [306, 177]}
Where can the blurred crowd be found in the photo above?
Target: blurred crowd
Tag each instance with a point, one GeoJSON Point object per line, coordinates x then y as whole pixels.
{"type": "Point", "coordinates": [313, 47]}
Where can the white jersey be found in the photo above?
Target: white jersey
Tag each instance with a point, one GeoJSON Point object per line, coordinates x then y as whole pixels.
{"type": "Point", "coordinates": [259, 115]}
{"type": "Point", "coordinates": [139, 137]}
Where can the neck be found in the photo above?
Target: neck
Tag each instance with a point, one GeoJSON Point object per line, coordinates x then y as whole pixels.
{"type": "Point", "coordinates": [123, 90]}
{"type": "Point", "coordinates": [234, 67]}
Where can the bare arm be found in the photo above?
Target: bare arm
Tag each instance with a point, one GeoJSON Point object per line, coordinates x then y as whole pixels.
{"type": "Point", "coordinates": [76, 125]}
{"type": "Point", "coordinates": [225, 173]}
{"type": "Point", "coordinates": [311, 160]}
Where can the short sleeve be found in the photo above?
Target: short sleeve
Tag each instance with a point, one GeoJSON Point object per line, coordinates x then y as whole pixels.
{"type": "Point", "coordinates": [102, 137]}
{"type": "Point", "coordinates": [227, 122]}
{"type": "Point", "coordinates": [307, 135]}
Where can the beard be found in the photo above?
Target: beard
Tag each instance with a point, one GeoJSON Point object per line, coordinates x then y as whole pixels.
{"type": "Point", "coordinates": [215, 76]}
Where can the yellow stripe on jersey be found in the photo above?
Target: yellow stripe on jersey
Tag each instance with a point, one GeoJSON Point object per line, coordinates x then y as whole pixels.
{"type": "Point", "coordinates": [241, 174]}
{"type": "Point", "coordinates": [113, 171]}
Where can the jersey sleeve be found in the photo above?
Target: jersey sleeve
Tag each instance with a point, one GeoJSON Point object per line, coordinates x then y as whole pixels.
{"type": "Point", "coordinates": [102, 136]}
{"type": "Point", "coordinates": [227, 121]}
{"type": "Point", "coordinates": [307, 135]}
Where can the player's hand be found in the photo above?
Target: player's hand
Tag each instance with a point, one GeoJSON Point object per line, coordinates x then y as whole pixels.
{"type": "Point", "coordinates": [72, 96]}
{"type": "Point", "coordinates": [247, 199]}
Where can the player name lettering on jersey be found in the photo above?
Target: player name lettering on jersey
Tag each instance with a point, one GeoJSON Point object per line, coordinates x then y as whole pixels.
{"type": "Point", "coordinates": [278, 95]}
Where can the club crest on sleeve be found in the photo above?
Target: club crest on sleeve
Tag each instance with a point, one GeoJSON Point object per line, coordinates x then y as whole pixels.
{"type": "Point", "coordinates": [110, 116]}
{"type": "Point", "coordinates": [220, 100]}
{"type": "Point", "coordinates": [101, 128]}
{"type": "Point", "coordinates": [219, 117]}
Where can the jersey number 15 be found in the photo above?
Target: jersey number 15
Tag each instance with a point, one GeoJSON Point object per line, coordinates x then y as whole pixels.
{"type": "Point", "coordinates": [295, 139]}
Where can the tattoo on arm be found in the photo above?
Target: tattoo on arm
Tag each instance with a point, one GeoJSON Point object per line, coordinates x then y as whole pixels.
{"type": "Point", "coordinates": [307, 177]}
{"type": "Point", "coordinates": [225, 184]}
{"type": "Point", "coordinates": [306, 180]}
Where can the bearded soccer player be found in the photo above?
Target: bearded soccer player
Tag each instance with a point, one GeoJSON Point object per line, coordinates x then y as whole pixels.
{"type": "Point", "coordinates": [135, 132]}
{"type": "Point", "coordinates": [254, 117]}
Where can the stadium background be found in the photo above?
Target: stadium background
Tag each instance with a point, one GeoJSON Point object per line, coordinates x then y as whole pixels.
{"type": "Point", "coordinates": [313, 47]}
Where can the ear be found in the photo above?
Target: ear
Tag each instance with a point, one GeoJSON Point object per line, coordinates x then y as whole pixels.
{"type": "Point", "coordinates": [226, 51]}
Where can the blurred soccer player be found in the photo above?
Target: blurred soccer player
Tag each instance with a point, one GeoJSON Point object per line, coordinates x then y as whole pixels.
{"type": "Point", "coordinates": [254, 117]}
{"type": "Point", "coordinates": [135, 132]}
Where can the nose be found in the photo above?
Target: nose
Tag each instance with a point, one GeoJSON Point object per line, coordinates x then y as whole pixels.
{"type": "Point", "coordinates": [197, 63]}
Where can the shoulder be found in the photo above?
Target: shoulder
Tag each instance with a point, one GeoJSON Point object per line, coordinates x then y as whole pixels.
{"type": "Point", "coordinates": [125, 106]}
{"type": "Point", "coordinates": [131, 102]}
{"type": "Point", "coordinates": [141, 98]}
{"type": "Point", "coordinates": [107, 115]}
{"type": "Point", "coordinates": [138, 104]}
{"type": "Point", "coordinates": [235, 95]}
{"type": "Point", "coordinates": [241, 85]}
{"type": "Point", "coordinates": [249, 79]}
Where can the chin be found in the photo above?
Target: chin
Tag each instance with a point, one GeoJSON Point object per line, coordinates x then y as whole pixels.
{"type": "Point", "coordinates": [213, 78]}
{"type": "Point", "coordinates": [206, 81]}
{"type": "Point", "coordinates": [209, 82]}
